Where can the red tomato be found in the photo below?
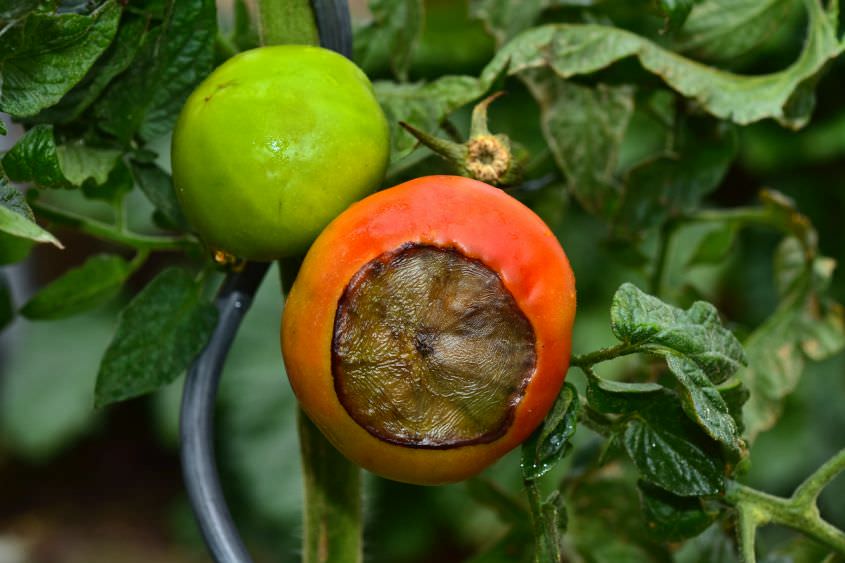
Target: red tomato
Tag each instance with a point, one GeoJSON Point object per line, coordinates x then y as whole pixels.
{"type": "Point", "coordinates": [428, 331]}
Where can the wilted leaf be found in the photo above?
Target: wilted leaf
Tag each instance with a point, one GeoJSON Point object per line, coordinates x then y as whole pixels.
{"type": "Point", "coordinates": [47, 54]}
{"type": "Point", "coordinates": [584, 128]}
{"type": "Point", "coordinates": [573, 49]}
{"type": "Point", "coordinates": [79, 289]}
{"type": "Point", "coordinates": [158, 335]}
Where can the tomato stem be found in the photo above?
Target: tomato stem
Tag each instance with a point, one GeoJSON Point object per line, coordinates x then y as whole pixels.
{"type": "Point", "coordinates": [799, 512]}
{"type": "Point", "coordinates": [609, 353]}
{"type": "Point", "coordinates": [285, 23]}
{"type": "Point", "coordinates": [112, 232]}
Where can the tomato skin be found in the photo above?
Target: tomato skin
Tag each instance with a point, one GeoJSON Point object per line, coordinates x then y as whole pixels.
{"type": "Point", "coordinates": [273, 145]}
{"type": "Point", "coordinates": [445, 211]}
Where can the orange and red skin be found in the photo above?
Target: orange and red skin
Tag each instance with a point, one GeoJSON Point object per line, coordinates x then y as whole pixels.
{"type": "Point", "coordinates": [480, 221]}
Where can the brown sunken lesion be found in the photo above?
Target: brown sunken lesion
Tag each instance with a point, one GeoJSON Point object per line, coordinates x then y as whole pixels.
{"type": "Point", "coordinates": [430, 349]}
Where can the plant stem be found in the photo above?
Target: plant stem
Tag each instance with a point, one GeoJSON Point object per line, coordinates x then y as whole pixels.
{"type": "Point", "coordinates": [546, 544]}
{"type": "Point", "coordinates": [587, 360]}
{"type": "Point", "coordinates": [808, 491]}
{"type": "Point", "coordinates": [798, 512]}
{"type": "Point", "coordinates": [332, 515]}
{"type": "Point", "coordinates": [286, 22]}
{"type": "Point", "coordinates": [112, 233]}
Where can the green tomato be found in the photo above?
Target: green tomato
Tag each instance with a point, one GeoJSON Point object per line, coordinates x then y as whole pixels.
{"type": "Point", "coordinates": [273, 145]}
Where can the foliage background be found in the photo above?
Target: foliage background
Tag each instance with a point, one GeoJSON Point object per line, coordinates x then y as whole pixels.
{"type": "Point", "coordinates": [78, 484]}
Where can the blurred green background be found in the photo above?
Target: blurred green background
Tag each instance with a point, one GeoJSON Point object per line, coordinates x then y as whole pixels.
{"type": "Point", "coordinates": [85, 486]}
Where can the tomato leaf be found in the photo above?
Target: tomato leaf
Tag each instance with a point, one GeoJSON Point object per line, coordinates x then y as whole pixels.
{"type": "Point", "coordinates": [16, 217]}
{"type": "Point", "coordinates": [584, 128]}
{"type": "Point", "coordinates": [670, 453]}
{"type": "Point", "coordinates": [806, 324]}
{"type": "Point", "coordinates": [704, 404]}
{"type": "Point", "coordinates": [36, 158]}
{"type": "Point", "coordinates": [157, 185]}
{"type": "Point", "coordinates": [94, 282]}
{"type": "Point", "coordinates": [47, 54]}
{"type": "Point", "coordinates": [551, 442]}
{"type": "Point", "coordinates": [395, 29]}
{"type": "Point", "coordinates": [640, 319]}
{"type": "Point", "coordinates": [676, 12]}
{"type": "Point", "coordinates": [117, 58]}
{"type": "Point", "coordinates": [617, 397]}
{"type": "Point", "coordinates": [670, 517]}
{"type": "Point", "coordinates": [574, 49]}
{"type": "Point", "coordinates": [158, 335]}
{"type": "Point", "coordinates": [724, 30]}
{"type": "Point", "coordinates": [146, 99]}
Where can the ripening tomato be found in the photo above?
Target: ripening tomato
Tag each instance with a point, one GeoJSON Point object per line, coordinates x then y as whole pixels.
{"type": "Point", "coordinates": [273, 145]}
{"type": "Point", "coordinates": [428, 331]}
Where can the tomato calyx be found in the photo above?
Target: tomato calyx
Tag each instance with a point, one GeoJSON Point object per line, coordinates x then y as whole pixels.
{"type": "Point", "coordinates": [487, 157]}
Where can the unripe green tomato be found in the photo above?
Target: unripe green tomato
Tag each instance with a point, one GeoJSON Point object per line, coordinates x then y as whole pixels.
{"type": "Point", "coordinates": [273, 145]}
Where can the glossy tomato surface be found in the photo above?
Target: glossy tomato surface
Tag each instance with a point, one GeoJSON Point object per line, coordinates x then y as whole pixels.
{"type": "Point", "coordinates": [273, 145]}
{"type": "Point", "coordinates": [479, 222]}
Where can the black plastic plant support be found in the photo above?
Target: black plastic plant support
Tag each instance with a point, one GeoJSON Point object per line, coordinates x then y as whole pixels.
{"type": "Point", "coordinates": [199, 469]}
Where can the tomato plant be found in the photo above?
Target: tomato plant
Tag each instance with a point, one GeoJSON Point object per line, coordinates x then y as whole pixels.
{"type": "Point", "coordinates": [687, 155]}
{"type": "Point", "coordinates": [272, 145]}
{"type": "Point", "coordinates": [428, 330]}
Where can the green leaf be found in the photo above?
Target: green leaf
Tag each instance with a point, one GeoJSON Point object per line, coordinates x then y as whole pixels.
{"type": "Point", "coordinates": [158, 335]}
{"type": "Point", "coordinates": [14, 9]}
{"type": "Point", "coordinates": [645, 321]}
{"type": "Point", "coordinates": [45, 55]}
{"type": "Point", "coordinates": [36, 158]}
{"type": "Point", "coordinates": [97, 280]}
{"type": "Point", "coordinates": [715, 245]}
{"type": "Point", "coordinates": [676, 12]}
{"type": "Point", "coordinates": [551, 442]}
{"type": "Point", "coordinates": [670, 517]}
{"type": "Point", "coordinates": [80, 162]}
{"type": "Point", "coordinates": [584, 128]}
{"type": "Point", "coordinates": [503, 19]}
{"type": "Point", "coordinates": [669, 454]}
{"type": "Point", "coordinates": [175, 57]}
{"type": "Point", "coordinates": [2, 127]}
{"type": "Point", "coordinates": [244, 34]}
{"type": "Point", "coordinates": [395, 28]}
{"type": "Point", "coordinates": [702, 402]}
{"type": "Point", "coordinates": [675, 184]}
{"type": "Point", "coordinates": [723, 30]}
{"type": "Point", "coordinates": [117, 58]}
{"type": "Point", "coordinates": [118, 182]}
{"type": "Point", "coordinates": [16, 217]}
{"type": "Point", "coordinates": [616, 397]}
{"type": "Point", "coordinates": [422, 105]}
{"type": "Point", "coordinates": [575, 49]}
{"type": "Point", "coordinates": [157, 185]}
{"type": "Point", "coordinates": [735, 395]}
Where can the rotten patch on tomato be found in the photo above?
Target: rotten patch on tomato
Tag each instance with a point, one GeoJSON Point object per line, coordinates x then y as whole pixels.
{"type": "Point", "coordinates": [430, 349]}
